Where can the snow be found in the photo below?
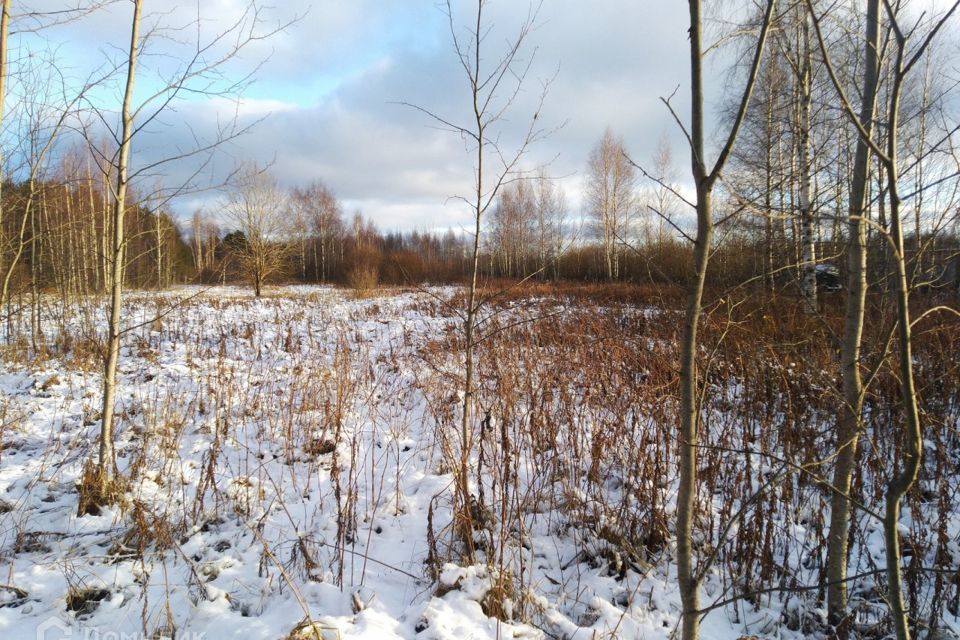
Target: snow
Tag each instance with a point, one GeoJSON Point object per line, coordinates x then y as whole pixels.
{"type": "Point", "coordinates": [249, 424]}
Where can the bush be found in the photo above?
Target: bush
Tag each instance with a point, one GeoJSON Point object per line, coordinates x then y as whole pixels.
{"type": "Point", "coordinates": [362, 279]}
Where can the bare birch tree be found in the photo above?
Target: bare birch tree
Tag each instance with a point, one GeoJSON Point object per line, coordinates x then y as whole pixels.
{"type": "Point", "coordinates": [849, 422]}
{"type": "Point", "coordinates": [662, 200]}
{"type": "Point", "coordinates": [803, 70]}
{"type": "Point", "coordinates": [551, 219]}
{"type": "Point", "coordinates": [512, 228]}
{"type": "Point", "coordinates": [611, 197]}
{"type": "Point", "coordinates": [323, 214]}
{"type": "Point", "coordinates": [31, 21]}
{"type": "Point", "coordinates": [903, 479]}
{"type": "Point", "coordinates": [105, 461]}
{"type": "Point", "coordinates": [203, 243]}
{"type": "Point", "coordinates": [494, 84]}
{"type": "Point", "coordinates": [42, 114]}
{"type": "Point", "coordinates": [705, 179]}
{"type": "Point", "coordinates": [4, 35]}
{"type": "Point", "coordinates": [201, 72]}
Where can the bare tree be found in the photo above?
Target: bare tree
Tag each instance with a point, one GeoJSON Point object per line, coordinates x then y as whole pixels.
{"type": "Point", "coordinates": [849, 423]}
{"type": "Point", "coordinates": [324, 217]}
{"type": "Point", "coordinates": [300, 230]}
{"type": "Point", "coordinates": [42, 115]}
{"type": "Point", "coordinates": [662, 200]}
{"type": "Point", "coordinates": [494, 84]}
{"type": "Point", "coordinates": [31, 21]}
{"type": "Point", "coordinates": [105, 461]}
{"type": "Point", "coordinates": [4, 35]}
{"type": "Point", "coordinates": [201, 72]}
{"type": "Point", "coordinates": [259, 210]}
{"type": "Point", "coordinates": [611, 197]}
{"type": "Point", "coordinates": [204, 237]}
{"type": "Point", "coordinates": [512, 228]}
{"type": "Point", "coordinates": [163, 233]}
{"type": "Point", "coordinates": [551, 218]}
{"type": "Point", "coordinates": [904, 478]}
{"type": "Point", "coordinates": [803, 71]}
{"type": "Point", "coordinates": [704, 179]}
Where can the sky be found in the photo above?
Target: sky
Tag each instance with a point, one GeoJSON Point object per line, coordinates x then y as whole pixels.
{"type": "Point", "coordinates": [326, 93]}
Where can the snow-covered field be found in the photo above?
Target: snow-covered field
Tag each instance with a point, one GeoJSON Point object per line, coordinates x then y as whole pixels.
{"type": "Point", "coordinates": [287, 478]}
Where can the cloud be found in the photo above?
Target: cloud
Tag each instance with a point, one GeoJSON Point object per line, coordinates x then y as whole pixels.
{"type": "Point", "coordinates": [328, 95]}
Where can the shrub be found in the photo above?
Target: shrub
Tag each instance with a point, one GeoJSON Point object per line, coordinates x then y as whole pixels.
{"type": "Point", "coordinates": [362, 279]}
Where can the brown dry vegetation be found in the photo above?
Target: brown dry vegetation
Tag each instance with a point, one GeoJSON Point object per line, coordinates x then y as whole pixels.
{"type": "Point", "coordinates": [578, 411]}
{"type": "Point", "coordinates": [575, 441]}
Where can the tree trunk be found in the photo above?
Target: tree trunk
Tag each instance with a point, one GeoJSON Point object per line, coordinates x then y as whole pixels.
{"type": "Point", "coordinates": [904, 480]}
{"type": "Point", "coordinates": [466, 428]}
{"type": "Point", "coordinates": [849, 419]}
{"type": "Point", "coordinates": [106, 463]}
{"type": "Point", "coordinates": [808, 239]}
{"type": "Point", "coordinates": [4, 30]}
{"type": "Point", "coordinates": [21, 241]}
{"type": "Point", "coordinates": [161, 233]}
{"type": "Point", "coordinates": [689, 418]}
{"type": "Point", "coordinates": [907, 476]}
{"type": "Point", "coordinates": [769, 278]}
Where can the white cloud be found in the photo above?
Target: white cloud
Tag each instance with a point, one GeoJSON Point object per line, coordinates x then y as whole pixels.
{"type": "Point", "coordinates": [329, 89]}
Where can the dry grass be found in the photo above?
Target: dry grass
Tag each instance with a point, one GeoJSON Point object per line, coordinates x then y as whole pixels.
{"type": "Point", "coordinates": [574, 440]}
{"type": "Point", "coordinates": [362, 279]}
{"type": "Point", "coordinates": [578, 419]}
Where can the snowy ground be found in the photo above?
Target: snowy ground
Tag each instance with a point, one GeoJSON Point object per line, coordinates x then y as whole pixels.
{"type": "Point", "coordinates": [285, 474]}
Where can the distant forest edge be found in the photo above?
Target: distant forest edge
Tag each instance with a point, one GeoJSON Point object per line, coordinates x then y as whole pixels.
{"type": "Point", "coordinates": [53, 241]}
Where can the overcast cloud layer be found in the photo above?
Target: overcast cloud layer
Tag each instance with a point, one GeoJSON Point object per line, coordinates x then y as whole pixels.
{"type": "Point", "coordinates": [328, 93]}
{"type": "Point", "coordinates": [330, 87]}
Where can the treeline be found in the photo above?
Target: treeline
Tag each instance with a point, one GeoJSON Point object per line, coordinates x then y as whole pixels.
{"type": "Point", "coordinates": [781, 208]}
{"type": "Point", "coordinates": [321, 245]}
{"type": "Point", "coordinates": [53, 234]}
